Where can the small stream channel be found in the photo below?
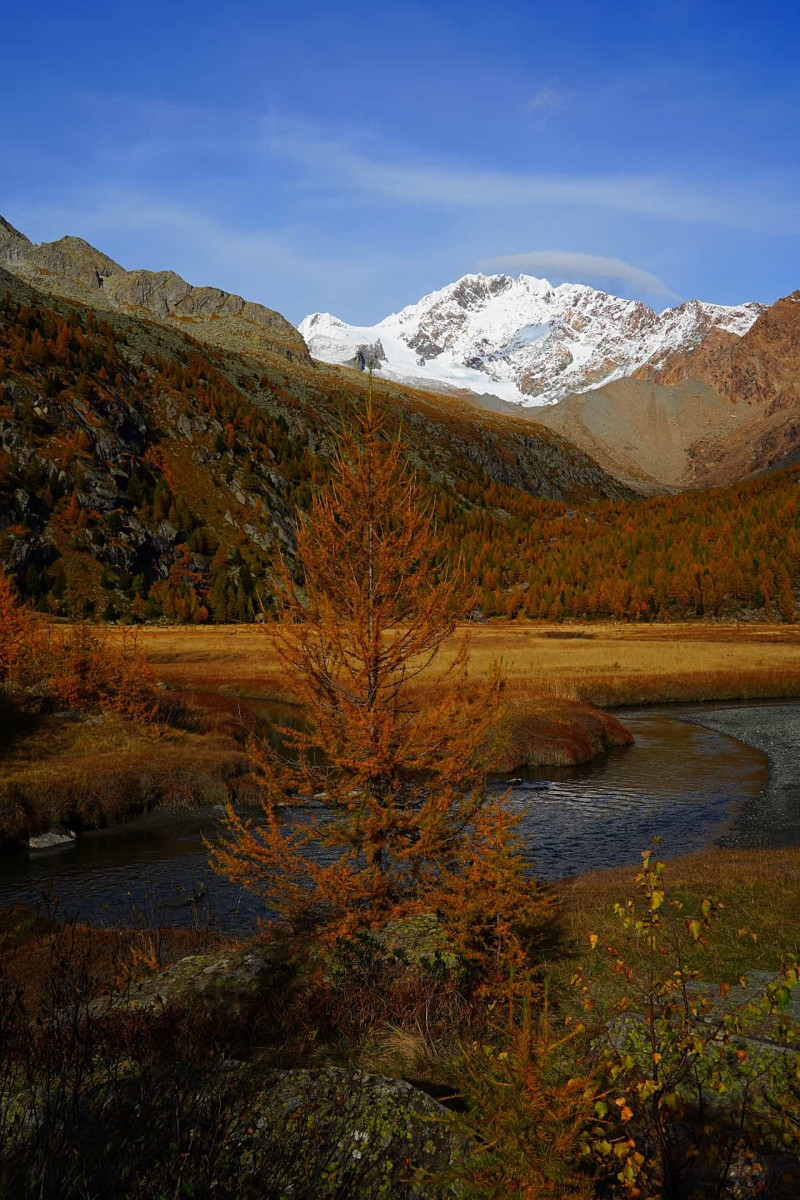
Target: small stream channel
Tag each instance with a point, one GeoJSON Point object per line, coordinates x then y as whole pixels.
{"type": "Point", "coordinates": [681, 781]}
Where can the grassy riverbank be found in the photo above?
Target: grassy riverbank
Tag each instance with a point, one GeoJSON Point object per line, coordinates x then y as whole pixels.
{"type": "Point", "coordinates": [759, 891]}
{"type": "Point", "coordinates": [744, 882]}
{"type": "Point", "coordinates": [86, 770]}
{"type": "Point", "coordinates": [600, 664]}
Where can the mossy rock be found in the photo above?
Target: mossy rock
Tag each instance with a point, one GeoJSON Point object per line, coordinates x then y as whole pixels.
{"type": "Point", "coordinates": [229, 984]}
{"type": "Point", "coordinates": [421, 940]}
{"type": "Point", "coordinates": [230, 1129]}
{"type": "Point", "coordinates": [358, 1134]}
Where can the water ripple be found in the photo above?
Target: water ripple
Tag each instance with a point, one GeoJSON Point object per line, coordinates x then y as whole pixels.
{"type": "Point", "coordinates": [679, 781]}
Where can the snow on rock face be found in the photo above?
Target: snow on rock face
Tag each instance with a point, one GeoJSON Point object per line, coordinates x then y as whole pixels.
{"type": "Point", "coordinates": [520, 339]}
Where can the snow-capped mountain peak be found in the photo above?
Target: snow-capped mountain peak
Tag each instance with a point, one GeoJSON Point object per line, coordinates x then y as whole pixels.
{"type": "Point", "coordinates": [520, 338]}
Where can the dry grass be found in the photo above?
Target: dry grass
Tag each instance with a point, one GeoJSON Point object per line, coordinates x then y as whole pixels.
{"type": "Point", "coordinates": [61, 772]}
{"type": "Point", "coordinates": [759, 891]}
{"type": "Point", "coordinates": [84, 774]}
{"type": "Point", "coordinates": [557, 732]}
{"type": "Point", "coordinates": [604, 665]}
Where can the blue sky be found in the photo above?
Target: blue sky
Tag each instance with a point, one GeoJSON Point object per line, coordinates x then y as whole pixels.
{"type": "Point", "coordinates": [352, 158]}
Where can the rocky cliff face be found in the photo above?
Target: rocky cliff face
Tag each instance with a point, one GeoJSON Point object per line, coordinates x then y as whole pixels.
{"type": "Point", "coordinates": [74, 270]}
{"type": "Point", "coordinates": [521, 339]}
{"type": "Point", "coordinates": [721, 411]}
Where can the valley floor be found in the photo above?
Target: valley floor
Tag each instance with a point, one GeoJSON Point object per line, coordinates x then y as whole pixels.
{"type": "Point", "coordinates": [89, 771]}
{"type": "Point", "coordinates": [606, 665]}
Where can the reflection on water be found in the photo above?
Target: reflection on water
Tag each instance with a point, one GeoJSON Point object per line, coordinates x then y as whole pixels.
{"type": "Point", "coordinates": [676, 782]}
{"type": "Point", "coordinates": [679, 781]}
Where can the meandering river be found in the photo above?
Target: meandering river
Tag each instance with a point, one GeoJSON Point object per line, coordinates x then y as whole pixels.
{"type": "Point", "coordinates": [691, 785]}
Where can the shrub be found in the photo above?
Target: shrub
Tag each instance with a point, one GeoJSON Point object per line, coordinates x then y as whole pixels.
{"type": "Point", "coordinates": [526, 1115]}
{"type": "Point", "coordinates": [690, 1089]}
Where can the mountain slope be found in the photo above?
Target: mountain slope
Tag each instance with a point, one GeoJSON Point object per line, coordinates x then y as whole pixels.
{"type": "Point", "coordinates": [145, 474]}
{"type": "Point", "coordinates": [74, 270]}
{"type": "Point", "coordinates": [722, 411]}
{"type": "Point", "coordinates": [143, 471]}
{"type": "Point", "coordinates": [522, 339]}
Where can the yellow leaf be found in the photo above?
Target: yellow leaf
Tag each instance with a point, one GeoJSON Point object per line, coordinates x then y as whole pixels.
{"type": "Point", "coordinates": [593, 940]}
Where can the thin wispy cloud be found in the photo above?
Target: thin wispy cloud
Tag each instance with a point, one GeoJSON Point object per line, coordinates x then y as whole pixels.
{"type": "Point", "coordinates": [580, 268]}
{"type": "Point", "coordinates": [179, 231]}
{"type": "Point", "coordinates": [335, 162]}
{"type": "Point", "coordinates": [254, 261]}
{"type": "Point", "coordinates": [550, 99]}
{"type": "Point", "coordinates": [328, 182]}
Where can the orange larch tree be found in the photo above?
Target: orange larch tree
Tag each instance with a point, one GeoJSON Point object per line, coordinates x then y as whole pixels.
{"type": "Point", "coordinates": [13, 626]}
{"type": "Point", "coordinates": [405, 824]}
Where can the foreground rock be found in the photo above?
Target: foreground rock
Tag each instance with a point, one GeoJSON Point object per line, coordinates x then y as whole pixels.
{"type": "Point", "coordinates": [229, 984]}
{"type": "Point", "coordinates": [53, 840]}
{"type": "Point", "coordinates": [319, 1133]}
{"type": "Point", "coordinates": [234, 1130]}
{"type": "Point", "coordinates": [355, 1133]}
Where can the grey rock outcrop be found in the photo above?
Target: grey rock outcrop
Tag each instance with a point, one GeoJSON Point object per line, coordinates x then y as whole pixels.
{"type": "Point", "coordinates": [371, 354]}
{"type": "Point", "coordinates": [229, 983]}
{"type": "Point", "coordinates": [73, 269]}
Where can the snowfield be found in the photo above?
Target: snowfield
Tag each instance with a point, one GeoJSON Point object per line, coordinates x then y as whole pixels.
{"type": "Point", "coordinates": [521, 339]}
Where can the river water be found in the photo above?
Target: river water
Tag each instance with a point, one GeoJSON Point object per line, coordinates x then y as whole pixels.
{"type": "Point", "coordinates": [687, 784]}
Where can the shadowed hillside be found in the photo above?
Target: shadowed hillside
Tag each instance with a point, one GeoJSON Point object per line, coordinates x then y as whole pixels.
{"type": "Point", "coordinates": [146, 473]}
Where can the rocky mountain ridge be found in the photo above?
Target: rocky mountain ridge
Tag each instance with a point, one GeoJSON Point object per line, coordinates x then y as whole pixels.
{"type": "Point", "coordinates": [74, 270]}
{"type": "Point", "coordinates": [696, 396]}
{"type": "Point", "coordinates": [522, 339]}
{"type": "Point", "coordinates": [722, 411]}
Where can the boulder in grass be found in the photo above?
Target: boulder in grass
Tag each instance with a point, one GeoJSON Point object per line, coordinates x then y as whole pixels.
{"type": "Point", "coordinates": [300, 1134]}
{"type": "Point", "coordinates": [228, 984]}
{"type": "Point", "coordinates": [353, 1133]}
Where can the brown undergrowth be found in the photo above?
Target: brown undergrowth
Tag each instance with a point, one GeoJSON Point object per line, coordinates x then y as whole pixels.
{"type": "Point", "coordinates": [32, 941]}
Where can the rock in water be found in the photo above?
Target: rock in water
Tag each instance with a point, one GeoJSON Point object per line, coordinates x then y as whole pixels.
{"type": "Point", "coordinates": [53, 840]}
